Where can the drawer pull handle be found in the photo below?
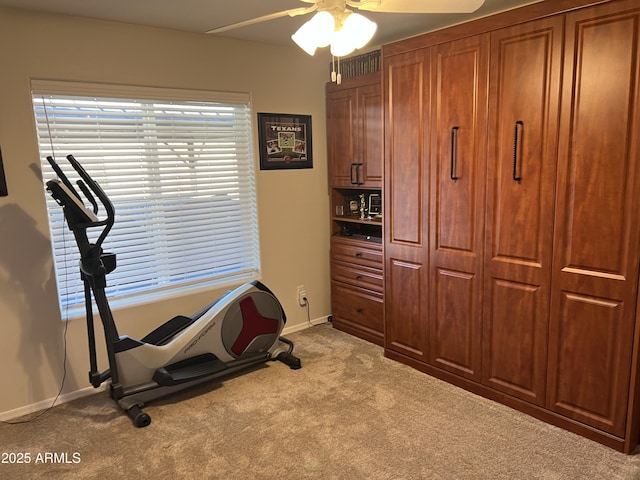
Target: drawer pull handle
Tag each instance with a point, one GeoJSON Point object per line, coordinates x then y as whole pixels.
{"type": "Point", "coordinates": [359, 310]}
{"type": "Point", "coordinates": [358, 277]}
{"type": "Point", "coordinates": [358, 254]}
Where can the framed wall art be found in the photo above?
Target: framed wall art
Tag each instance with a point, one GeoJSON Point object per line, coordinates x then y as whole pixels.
{"type": "Point", "coordinates": [284, 141]}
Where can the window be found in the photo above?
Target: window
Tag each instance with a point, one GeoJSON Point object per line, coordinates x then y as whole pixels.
{"type": "Point", "coordinates": [178, 167]}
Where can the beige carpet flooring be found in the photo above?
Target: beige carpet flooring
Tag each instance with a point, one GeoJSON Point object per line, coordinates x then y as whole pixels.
{"type": "Point", "coordinates": [349, 413]}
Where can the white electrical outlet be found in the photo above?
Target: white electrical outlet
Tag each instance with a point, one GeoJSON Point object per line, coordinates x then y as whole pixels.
{"type": "Point", "coordinates": [302, 295]}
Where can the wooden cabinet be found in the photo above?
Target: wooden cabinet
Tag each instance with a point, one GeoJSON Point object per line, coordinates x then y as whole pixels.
{"type": "Point", "coordinates": [596, 247]}
{"type": "Point", "coordinates": [521, 175]}
{"type": "Point", "coordinates": [357, 286]}
{"type": "Point", "coordinates": [354, 144]}
{"type": "Point", "coordinates": [435, 155]}
{"type": "Point", "coordinates": [341, 111]}
{"type": "Point", "coordinates": [354, 132]}
{"type": "Point", "coordinates": [512, 200]}
{"type": "Point", "coordinates": [357, 266]}
{"type": "Point", "coordinates": [406, 189]}
{"type": "Point", "coordinates": [459, 77]}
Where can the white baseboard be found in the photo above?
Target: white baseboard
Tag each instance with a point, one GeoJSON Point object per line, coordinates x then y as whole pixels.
{"type": "Point", "coordinates": [48, 403]}
{"type": "Point", "coordinates": [304, 325]}
{"type": "Point", "coordinates": [84, 392]}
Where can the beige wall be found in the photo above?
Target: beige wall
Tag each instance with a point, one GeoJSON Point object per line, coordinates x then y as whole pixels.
{"type": "Point", "coordinates": [292, 205]}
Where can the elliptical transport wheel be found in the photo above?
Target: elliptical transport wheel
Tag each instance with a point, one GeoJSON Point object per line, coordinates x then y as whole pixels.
{"type": "Point", "coordinates": [140, 419]}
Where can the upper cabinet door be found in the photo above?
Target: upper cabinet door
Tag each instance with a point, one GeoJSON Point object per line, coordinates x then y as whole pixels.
{"type": "Point", "coordinates": [521, 174]}
{"type": "Point", "coordinates": [355, 133]}
{"type": "Point", "coordinates": [459, 82]}
{"type": "Point", "coordinates": [370, 134]}
{"type": "Point", "coordinates": [341, 112]}
{"type": "Point", "coordinates": [597, 221]}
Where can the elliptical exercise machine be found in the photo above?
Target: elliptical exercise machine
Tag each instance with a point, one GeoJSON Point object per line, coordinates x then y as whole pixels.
{"type": "Point", "coordinates": [239, 330]}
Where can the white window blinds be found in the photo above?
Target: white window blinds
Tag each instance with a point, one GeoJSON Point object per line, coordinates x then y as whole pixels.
{"type": "Point", "coordinates": [178, 168]}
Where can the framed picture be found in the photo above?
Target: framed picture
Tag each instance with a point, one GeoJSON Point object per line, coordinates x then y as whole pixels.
{"type": "Point", "coordinates": [375, 204]}
{"type": "Point", "coordinates": [284, 141]}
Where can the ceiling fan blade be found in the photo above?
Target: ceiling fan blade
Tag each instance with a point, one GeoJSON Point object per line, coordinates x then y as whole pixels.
{"type": "Point", "coordinates": [272, 16]}
{"type": "Point", "coordinates": [417, 6]}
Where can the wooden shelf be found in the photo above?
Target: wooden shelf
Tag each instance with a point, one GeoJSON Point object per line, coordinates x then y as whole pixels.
{"type": "Point", "coordinates": [356, 219]}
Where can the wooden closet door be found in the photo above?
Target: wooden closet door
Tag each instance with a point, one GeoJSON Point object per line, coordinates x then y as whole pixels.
{"type": "Point", "coordinates": [459, 93]}
{"type": "Point", "coordinates": [523, 131]}
{"type": "Point", "coordinates": [595, 269]}
{"type": "Point", "coordinates": [406, 224]}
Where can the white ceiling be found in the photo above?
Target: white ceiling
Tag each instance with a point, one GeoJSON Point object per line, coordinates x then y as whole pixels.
{"type": "Point", "coordinates": [202, 15]}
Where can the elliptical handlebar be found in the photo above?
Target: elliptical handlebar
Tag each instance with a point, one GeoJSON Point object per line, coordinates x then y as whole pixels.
{"type": "Point", "coordinates": [89, 188]}
{"type": "Point", "coordinates": [93, 185]}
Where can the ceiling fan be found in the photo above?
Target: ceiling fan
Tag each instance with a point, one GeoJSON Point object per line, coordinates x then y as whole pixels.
{"type": "Point", "coordinates": [386, 6]}
{"type": "Point", "coordinates": [336, 23]}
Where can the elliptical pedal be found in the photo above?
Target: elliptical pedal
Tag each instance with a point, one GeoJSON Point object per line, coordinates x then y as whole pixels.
{"type": "Point", "coordinates": [189, 369]}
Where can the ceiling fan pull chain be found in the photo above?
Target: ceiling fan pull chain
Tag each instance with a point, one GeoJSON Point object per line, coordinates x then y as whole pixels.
{"type": "Point", "coordinates": [339, 76]}
{"type": "Point", "coordinates": [333, 68]}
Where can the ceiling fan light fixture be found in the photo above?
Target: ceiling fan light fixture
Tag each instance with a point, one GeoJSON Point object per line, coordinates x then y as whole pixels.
{"type": "Point", "coordinates": [360, 29]}
{"type": "Point", "coordinates": [355, 33]}
{"type": "Point", "coordinates": [341, 44]}
{"type": "Point", "coordinates": [306, 43]}
{"type": "Point", "coordinates": [344, 31]}
{"type": "Point", "coordinates": [323, 24]}
{"type": "Point", "coordinates": [315, 33]}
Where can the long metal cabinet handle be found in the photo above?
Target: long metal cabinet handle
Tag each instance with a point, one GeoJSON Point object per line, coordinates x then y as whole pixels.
{"type": "Point", "coordinates": [454, 153]}
{"type": "Point", "coordinates": [516, 178]}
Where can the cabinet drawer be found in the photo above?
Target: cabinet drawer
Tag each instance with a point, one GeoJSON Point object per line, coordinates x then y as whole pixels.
{"type": "Point", "coordinates": [357, 252]}
{"type": "Point", "coordinates": [357, 306]}
{"type": "Point", "coordinates": [357, 275]}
